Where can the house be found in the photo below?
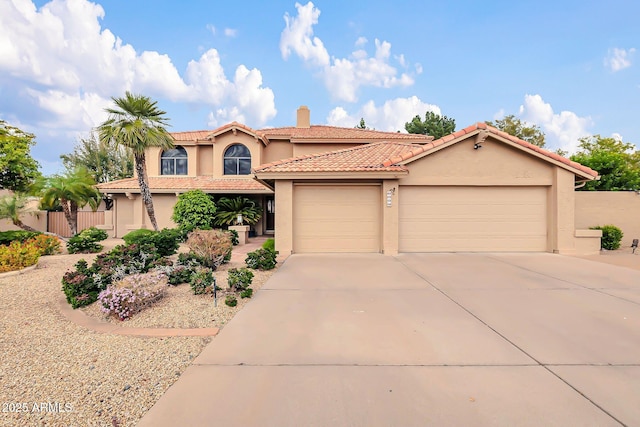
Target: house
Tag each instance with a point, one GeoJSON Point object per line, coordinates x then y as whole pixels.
{"type": "Point", "coordinates": [354, 190]}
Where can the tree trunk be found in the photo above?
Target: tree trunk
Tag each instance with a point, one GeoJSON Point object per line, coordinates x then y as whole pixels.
{"type": "Point", "coordinates": [67, 214]}
{"type": "Point", "coordinates": [23, 226]}
{"type": "Point", "coordinates": [141, 170]}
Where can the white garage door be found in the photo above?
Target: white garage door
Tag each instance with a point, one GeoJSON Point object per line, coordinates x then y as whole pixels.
{"type": "Point", "coordinates": [475, 219]}
{"type": "Point", "coordinates": [336, 218]}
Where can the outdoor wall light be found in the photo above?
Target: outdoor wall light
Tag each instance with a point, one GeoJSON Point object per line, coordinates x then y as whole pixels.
{"type": "Point", "coordinates": [477, 145]}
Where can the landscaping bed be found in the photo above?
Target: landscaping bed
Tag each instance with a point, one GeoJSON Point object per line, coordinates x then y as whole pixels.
{"type": "Point", "coordinates": [55, 372]}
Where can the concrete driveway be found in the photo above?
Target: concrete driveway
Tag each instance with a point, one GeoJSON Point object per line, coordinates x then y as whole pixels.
{"type": "Point", "coordinates": [426, 339]}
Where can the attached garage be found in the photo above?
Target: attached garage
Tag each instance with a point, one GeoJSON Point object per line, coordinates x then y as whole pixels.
{"type": "Point", "coordinates": [475, 219]}
{"type": "Point", "coordinates": [336, 218]}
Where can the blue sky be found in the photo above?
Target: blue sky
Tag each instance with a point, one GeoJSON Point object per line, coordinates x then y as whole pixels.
{"type": "Point", "coordinates": [571, 67]}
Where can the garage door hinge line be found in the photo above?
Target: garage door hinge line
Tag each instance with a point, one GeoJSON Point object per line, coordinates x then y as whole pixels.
{"type": "Point", "coordinates": [435, 286]}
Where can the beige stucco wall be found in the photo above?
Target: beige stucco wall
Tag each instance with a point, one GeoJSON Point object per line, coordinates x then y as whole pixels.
{"type": "Point", "coordinates": [284, 216]}
{"type": "Point", "coordinates": [277, 150]}
{"type": "Point", "coordinates": [223, 141]}
{"type": "Point", "coordinates": [619, 208]}
{"type": "Point", "coordinates": [493, 164]}
{"type": "Point", "coordinates": [205, 160]}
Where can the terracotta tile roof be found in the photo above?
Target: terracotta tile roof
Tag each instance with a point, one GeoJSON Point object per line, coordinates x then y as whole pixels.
{"type": "Point", "coordinates": [196, 135]}
{"type": "Point", "coordinates": [318, 132]}
{"type": "Point", "coordinates": [363, 158]}
{"type": "Point", "coordinates": [403, 157]}
{"type": "Point", "coordinates": [204, 183]}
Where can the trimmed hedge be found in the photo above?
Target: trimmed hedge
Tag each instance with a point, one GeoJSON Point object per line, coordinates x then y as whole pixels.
{"type": "Point", "coordinates": [6, 237]}
{"type": "Point", "coordinates": [611, 236]}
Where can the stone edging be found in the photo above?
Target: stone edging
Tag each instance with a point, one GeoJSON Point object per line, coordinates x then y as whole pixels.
{"type": "Point", "coordinates": [17, 272]}
{"type": "Point", "coordinates": [85, 321]}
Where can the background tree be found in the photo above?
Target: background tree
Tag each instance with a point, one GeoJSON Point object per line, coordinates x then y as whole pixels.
{"type": "Point", "coordinates": [73, 190]}
{"type": "Point", "coordinates": [435, 125]}
{"type": "Point", "coordinates": [104, 160]}
{"type": "Point", "coordinates": [617, 163]}
{"type": "Point", "coordinates": [137, 123]}
{"type": "Point", "coordinates": [516, 127]}
{"type": "Point", "coordinates": [18, 170]}
{"type": "Point", "coordinates": [13, 207]}
{"type": "Point", "coordinates": [362, 124]}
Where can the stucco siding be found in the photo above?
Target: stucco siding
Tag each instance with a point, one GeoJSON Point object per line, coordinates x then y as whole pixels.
{"type": "Point", "coordinates": [619, 208]}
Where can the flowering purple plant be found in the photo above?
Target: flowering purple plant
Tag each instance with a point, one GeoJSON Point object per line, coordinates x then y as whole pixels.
{"type": "Point", "coordinates": [132, 294]}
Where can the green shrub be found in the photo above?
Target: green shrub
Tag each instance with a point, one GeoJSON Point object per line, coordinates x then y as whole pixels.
{"type": "Point", "coordinates": [231, 301]}
{"type": "Point", "coordinates": [202, 281]}
{"type": "Point", "coordinates": [239, 278]}
{"type": "Point", "coordinates": [165, 241]}
{"type": "Point", "coordinates": [180, 274]}
{"type": "Point", "coordinates": [86, 241]}
{"type": "Point", "coordinates": [18, 255]}
{"type": "Point", "coordinates": [189, 259]}
{"type": "Point", "coordinates": [136, 236]}
{"type": "Point", "coordinates": [194, 210]}
{"type": "Point", "coordinates": [247, 293]}
{"type": "Point", "coordinates": [270, 244]}
{"type": "Point", "coordinates": [7, 237]}
{"type": "Point", "coordinates": [611, 236]}
{"type": "Point", "coordinates": [47, 245]}
{"type": "Point", "coordinates": [235, 239]}
{"type": "Point", "coordinates": [79, 286]}
{"type": "Point", "coordinates": [210, 246]}
{"type": "Point", "coordinates": [228, 210]}
{"type": "Point", "coordinates": [262, 259]}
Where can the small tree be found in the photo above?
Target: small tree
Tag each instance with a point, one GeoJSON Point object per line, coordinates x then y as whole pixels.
{"type": "Point", "coordinates": [229, 209]}
{"type": "Point", "coordinates": [516, 127]}
{"type": "Point", "coordinates": [13, 207]}
{"type": "Point", "coordinates": [73, 190]}
{"type": "Point", "coordinates": [362, 124]}
{"type": "Point", "coordinates": [435, 125]}
{"type": "Point", "coordinates": [194, 210]}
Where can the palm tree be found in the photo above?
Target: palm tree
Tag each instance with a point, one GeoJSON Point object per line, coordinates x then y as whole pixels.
{"type": "Point", "coordinates": [137, 123]}
{"type": "Point", "coordinates": [12, 207]}
{"type": "Point", "coordinates": [73, 190]}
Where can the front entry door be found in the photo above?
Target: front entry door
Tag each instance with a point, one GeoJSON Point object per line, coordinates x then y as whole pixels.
{"type": "Point", "coordinates": [271, 214]}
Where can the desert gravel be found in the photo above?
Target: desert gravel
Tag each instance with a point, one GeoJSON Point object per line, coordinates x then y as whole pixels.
{"type": "Point", "coordinates": [59, 374]}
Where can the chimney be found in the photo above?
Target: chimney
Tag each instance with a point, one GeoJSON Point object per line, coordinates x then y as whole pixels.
{"type": "Point", "coordinates": [304, 117]}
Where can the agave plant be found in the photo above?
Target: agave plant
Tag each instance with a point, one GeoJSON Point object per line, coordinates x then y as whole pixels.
{"type": "Point", "coordinates": [228, 210]}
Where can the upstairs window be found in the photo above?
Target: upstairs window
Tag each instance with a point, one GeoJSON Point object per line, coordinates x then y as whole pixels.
{"type": "Point", "coordinates": [237, 160]}
{"type": "Point", "coordinates": [174, 162]}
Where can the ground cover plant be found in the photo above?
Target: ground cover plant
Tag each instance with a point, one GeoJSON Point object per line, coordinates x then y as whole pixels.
{"type": "Point", "coordinates": [262, 259]}
{"type": "Point", "coordinates": [132, 294]}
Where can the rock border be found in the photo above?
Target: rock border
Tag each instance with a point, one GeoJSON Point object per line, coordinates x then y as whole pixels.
{"type": "Point", "coordinates": [81, 319]}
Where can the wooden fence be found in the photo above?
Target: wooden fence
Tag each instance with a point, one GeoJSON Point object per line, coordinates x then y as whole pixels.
{"type": "Point", "coordinates": [57, 223]}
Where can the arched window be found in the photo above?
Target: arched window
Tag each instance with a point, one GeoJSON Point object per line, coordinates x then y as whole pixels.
{"type": "Point", "coordinates": [237, 160]}
{"type": "Point", "coordinates": [174, 162]}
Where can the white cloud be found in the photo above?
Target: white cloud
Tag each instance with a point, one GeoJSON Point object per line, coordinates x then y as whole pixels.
{"type": "Point", "coordinates": [390, 116]}
{"type": "Point", "coordinates": [499, 114]}
{"type": "Point", "coordinates": [342, 76]}
{"type": "Point", "coordinates": [618, 59]}
{"type": "Point", "coordinates": [211, 28]}
{"type": "Point", "coordinates": [61, 60]}
{"type": "Point", "coordinates": [563, 130]}
{"type": "Point", "coordinates": [297, 36]}
{"type": "Point", "coordinates": [230, 32]}
{"type": "Point", "coordinates": [617, 136]}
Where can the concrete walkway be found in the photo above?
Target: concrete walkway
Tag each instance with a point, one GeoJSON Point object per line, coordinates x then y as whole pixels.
{"type": "Point", "coordinates": [415, 340]}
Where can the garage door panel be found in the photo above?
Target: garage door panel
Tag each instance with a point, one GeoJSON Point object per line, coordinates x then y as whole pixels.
{"type": "Point", "coordinates": [336, 218]}
{"type": "Point", "coordinates": [434, 219]}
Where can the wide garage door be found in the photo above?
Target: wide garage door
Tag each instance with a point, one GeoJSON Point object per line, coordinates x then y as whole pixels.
{"type": "Point", "coordinates": [336, 218]}
{"type": "Point", "coordinates": [476, 219]}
